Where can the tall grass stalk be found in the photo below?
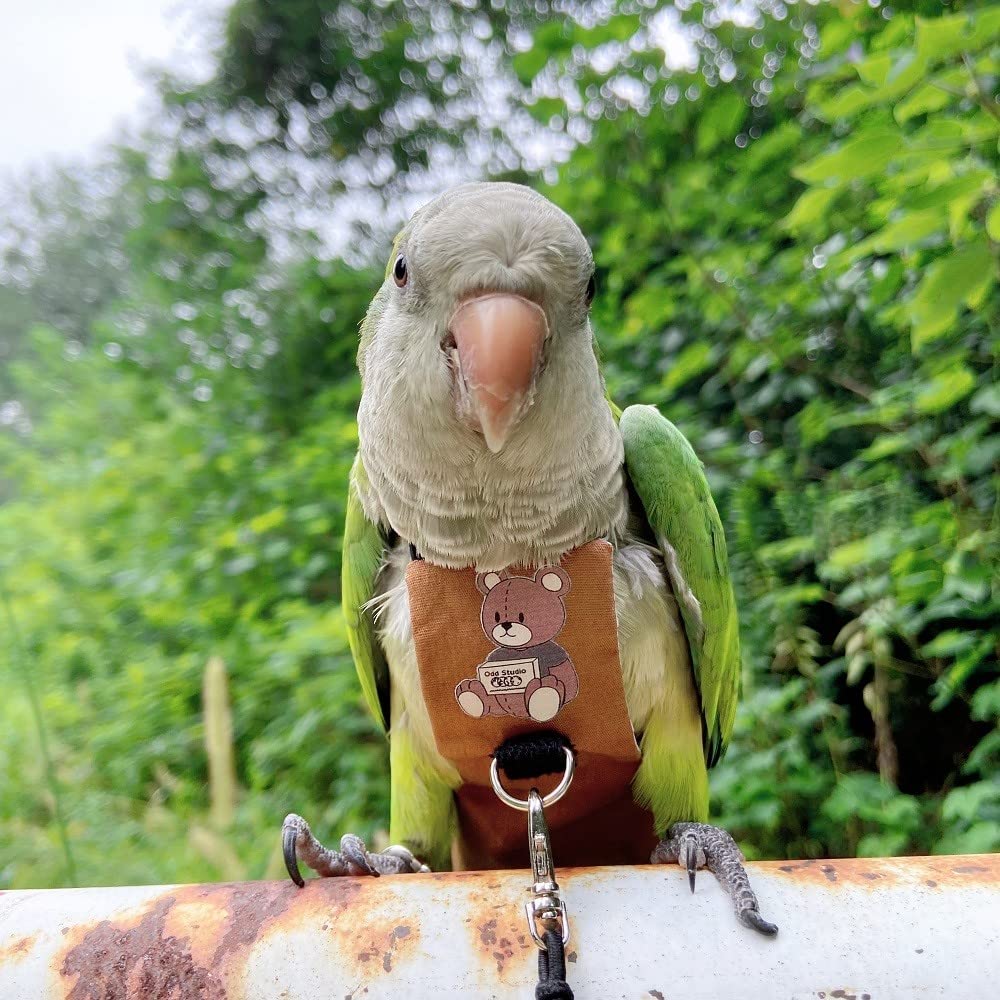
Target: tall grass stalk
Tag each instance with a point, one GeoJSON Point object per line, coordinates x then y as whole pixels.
{"type": "Point", "coordinates": [219, 748]}
{"type": "Point", "coordinates": [19, 657]}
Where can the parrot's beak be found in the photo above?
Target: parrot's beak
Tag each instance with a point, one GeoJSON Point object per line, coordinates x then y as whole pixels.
{"type": "Point", "coordinates": [497, 352]}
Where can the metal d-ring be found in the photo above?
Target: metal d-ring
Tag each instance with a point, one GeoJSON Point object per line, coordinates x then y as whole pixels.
{"type": "Point", "coordinates": [523, 804]}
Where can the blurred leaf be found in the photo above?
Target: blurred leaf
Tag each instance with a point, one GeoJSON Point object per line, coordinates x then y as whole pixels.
{"type": "Point", "coordinates": [811, 206]}
{"type": "Point", "coordinates": [941, 37]}
{"type": "Point", "coordinates": [913, 227]}
{"type": "Point", "coordinates": [692, 361]}
{"type": "Point", "coordinates": [962, 276]}
{"type": "Point", "coordinates": [993, 222]}
{"type": "Point", "coordinates": [721, 122]}
{"type": "Point", "coordinates": [868, 154]}
{"type": "Point", "coordinates": [987, 400]}
{"type": "Point", "coordinates": [944, 390]}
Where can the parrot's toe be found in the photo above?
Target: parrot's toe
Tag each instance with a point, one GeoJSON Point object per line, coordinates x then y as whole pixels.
{"type": "Point", "coordinates": [698, 845]}
{"type": "Point", "coordinates": [751, 918]}
{"type": "Point", "coordinates": [406, 858]}
{"type": "Point", "coordinates": [354, 850]}
{"type": "Point", "coordinates": [353, 858]}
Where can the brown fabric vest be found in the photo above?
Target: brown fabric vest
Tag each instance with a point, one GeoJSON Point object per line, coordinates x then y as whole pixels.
{"type": "Point", "coordinates": [501, 654]}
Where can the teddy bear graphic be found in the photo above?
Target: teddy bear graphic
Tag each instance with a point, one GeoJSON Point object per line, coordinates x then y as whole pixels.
{"type": "Point", "coordinates": [528, 674]}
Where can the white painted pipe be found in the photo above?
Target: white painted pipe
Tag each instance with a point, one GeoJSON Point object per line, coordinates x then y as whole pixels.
{"type": "Point", "coordinates": [884, 929]}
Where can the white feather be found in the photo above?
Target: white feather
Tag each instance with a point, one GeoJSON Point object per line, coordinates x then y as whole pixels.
{"type": "Point", "coordinates": [681, 587]}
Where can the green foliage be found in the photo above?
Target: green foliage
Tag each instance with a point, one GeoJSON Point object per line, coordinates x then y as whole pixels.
{"type": "Point", "coordinates": [815, 304]}
{"type": "Point", "coordinates": [140, 540]}
{"type": "Point", "coordinates": [797, 257]}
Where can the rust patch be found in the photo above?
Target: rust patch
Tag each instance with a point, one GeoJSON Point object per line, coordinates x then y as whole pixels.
{"type": "Point", "coordinates": [115, 962]}
{"type": "Point", "coordinates": [398, 934]}
{"type": "Point", "coordinates": [461, 876]}
{"type": "Point", "coordinates": [17, 948]}
{"type": "Point", "coordinates": [180, 947]}
{"type": "Point", "coordinates": [361, 921]}
{"type": "Point", "coordinates": [875, 873]}
{"type": "Point", "coordinates": [249, 907]}
{"type": "Point", "coordinates": [383, 949]}
{"type": "Point", "coordinates": [499, 934]}
{"type": "Point", "coordinates": [502, 945]}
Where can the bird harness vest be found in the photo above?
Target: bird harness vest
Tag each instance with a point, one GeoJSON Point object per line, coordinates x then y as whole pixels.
{"type": "Point", "coordinates": [512, 653]}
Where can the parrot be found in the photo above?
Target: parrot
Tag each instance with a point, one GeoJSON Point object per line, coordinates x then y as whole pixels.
{"type": "Point", "coordinates": [487, 440]}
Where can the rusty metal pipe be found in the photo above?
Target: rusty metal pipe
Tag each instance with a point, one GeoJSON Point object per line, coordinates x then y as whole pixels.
{"type": "Point", "coordinates": [884, 929]}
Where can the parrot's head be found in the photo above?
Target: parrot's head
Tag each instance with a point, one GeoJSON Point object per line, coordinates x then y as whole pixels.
{"type": "Point", "coordinates": [483, 316]}
{"type": "Point", "coordinates": [484, 434]}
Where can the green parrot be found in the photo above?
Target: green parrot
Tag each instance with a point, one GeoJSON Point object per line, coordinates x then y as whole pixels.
{"type": "Point", "coordinates": [486, 440]}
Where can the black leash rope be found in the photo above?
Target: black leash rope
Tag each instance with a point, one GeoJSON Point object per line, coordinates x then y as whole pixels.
{"type": "Point", "coordinates": [552, 983]}
{"type": "Point", "coordinates": [531, 756]}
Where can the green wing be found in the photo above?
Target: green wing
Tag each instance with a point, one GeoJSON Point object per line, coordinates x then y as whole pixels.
{"type": "Point", "coordinates": [364, 552]}
{"type": "Point", "coordinates": [669, 481]}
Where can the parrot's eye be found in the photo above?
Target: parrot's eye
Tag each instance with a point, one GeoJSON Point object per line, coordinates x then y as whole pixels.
{"type": "Point", "coordinates": [399, 271]}
{"type": "Point", "coordinates": [591, 290]}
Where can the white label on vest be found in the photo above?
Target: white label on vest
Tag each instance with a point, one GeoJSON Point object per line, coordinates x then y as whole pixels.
{"type": "Point", "coordinates": [507, 676]}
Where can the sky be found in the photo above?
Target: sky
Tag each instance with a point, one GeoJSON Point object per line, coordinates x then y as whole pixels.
{"type": "Point", "coordinates": [72, 71]}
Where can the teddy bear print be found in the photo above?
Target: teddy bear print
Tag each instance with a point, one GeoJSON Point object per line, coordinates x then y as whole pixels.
{"type": "Point", "coordinates": [528, 674]}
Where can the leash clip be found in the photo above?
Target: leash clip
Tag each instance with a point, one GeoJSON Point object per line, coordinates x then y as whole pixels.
{"type": "Point", "coordinates": [546, 910]}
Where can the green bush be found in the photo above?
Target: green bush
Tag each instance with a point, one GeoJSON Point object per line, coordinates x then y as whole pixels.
{"type": "Point", "coordinates": [797, 260]}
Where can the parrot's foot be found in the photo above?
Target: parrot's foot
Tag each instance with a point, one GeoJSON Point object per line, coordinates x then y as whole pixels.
{"type": "Point", "coordinates": [698, 845]}
{"type": "Point", "coordinates": [353, 858]}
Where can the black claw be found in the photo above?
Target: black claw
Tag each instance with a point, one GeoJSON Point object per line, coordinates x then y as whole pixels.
{"type": "Point", "coordinates": [691, 858]}
{"type": "Point", "coordinates": [288, 838]}
{"type": "Point", "coordinates": [751, 918]}
{"type": "Point", "coordinates": [354, 850]}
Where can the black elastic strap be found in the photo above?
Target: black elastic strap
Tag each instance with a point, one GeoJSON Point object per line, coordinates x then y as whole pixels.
{"type": "Point", "coordinates": [552, 983]}
{"type": "Point", "coordinates": [531, 755]}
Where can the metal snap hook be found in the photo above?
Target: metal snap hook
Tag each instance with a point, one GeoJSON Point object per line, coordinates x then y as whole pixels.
{"type": "Point", "coordinates": [546, 910]}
